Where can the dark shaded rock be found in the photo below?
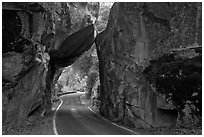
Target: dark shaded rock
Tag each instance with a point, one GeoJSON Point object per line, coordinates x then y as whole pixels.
{"type": "Point", "coordinates": [72, 47]}
{"type": "Point", "coordinates": [11, 28]}
{"type": "Point", "coordinates": [180, 81]}
{"type": "Point", "coordinates": [136, 34]}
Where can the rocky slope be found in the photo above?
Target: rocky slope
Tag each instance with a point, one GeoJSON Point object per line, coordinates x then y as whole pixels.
{"type": "Point", "coordinates": [131, 89]}
{"type": "Point", "coordinates": [30, 32]}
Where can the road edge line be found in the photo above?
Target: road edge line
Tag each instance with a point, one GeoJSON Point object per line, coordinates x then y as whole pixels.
{"type": "Point", "coordinates": [107, 119]}
{"type": "Point", "coordinates": [82, 99]}
{"type": "Point", "coordinates": [53, 121]}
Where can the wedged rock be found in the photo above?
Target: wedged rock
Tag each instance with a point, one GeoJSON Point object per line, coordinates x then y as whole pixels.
{"type": "Point", "coordinates": [137, 33]}
{"type": "Point", "coordinates": [72, 47]}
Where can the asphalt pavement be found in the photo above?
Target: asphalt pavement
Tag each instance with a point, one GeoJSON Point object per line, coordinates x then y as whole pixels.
{"type": "Point", "coordinates": [74, 118]}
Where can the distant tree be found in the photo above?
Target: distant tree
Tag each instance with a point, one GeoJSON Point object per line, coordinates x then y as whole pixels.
{"type": "Point", "coordinates": [90, 83]}
{"type": "Point", "coordinates": [103, 15]}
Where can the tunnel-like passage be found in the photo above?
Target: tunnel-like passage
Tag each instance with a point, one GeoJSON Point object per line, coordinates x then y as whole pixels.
{"type": "Point", "coordinates": [142, 45]}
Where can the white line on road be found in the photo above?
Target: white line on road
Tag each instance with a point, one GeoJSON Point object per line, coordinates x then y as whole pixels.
{"type": "Point", "coordinates": [54, 122]}
{"type": "Point", "coordinates": [82, 102]}
{"type": "Point", "coordinates": [106, 119]}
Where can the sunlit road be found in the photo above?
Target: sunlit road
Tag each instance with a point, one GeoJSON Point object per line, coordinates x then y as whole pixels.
{"type": "Point", "coordinates": [74, 118]}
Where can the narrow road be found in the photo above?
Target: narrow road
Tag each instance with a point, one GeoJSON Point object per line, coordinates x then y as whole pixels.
{"type": "Point", "coordinates": [74, 118]}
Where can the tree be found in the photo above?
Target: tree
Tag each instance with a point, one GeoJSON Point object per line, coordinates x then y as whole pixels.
{"type": "Point", "coordinates": [103, 15]}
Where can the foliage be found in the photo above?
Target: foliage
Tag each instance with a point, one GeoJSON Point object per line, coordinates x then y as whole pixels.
{"type": "Point", "coordinates": [78, 75]}
{"type": "Point", "coordinates": [90, 83]}
{"type": "Point", "coordinates": [83, 64]}
{"type": "Point", "coordinates": [103, 15]}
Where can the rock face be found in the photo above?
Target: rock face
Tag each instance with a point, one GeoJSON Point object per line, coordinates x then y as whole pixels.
{"type": "Point", "coordinates": [136, 34]}
{"type": "Point", "coordinates": [30, 32]}
{"type": "Point", "coordinates": [178, 78]}
{"type": "Point", "coordinates": [24, 62]}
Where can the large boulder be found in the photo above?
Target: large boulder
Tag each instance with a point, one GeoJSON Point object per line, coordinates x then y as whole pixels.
{"type": "Point", "coordinates": [137, 33]}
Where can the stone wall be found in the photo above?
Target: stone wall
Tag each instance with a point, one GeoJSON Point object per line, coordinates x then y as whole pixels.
{"type": "Point", "coordinates": [136, 34]}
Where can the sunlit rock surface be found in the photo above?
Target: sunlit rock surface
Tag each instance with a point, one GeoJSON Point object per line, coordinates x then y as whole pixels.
{"type": "Point", "coordinates": [30, 31]}
{"type": "Point", "coordinates": [136, 34]}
